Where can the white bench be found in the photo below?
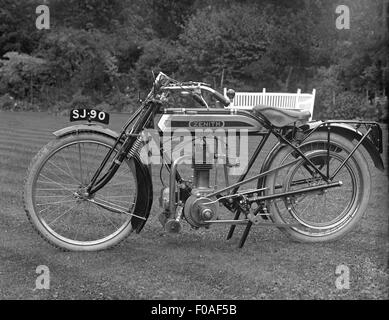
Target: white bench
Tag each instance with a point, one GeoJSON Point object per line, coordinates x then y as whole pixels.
{"type": "Point", "coordinates": [247, 100]}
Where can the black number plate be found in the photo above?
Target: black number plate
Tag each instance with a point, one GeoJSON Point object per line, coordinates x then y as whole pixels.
{"type": "Point", "coordinates": [89, 115]}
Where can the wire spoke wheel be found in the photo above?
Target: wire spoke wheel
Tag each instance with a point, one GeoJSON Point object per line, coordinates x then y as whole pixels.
{"type": "Point", "coordinates": [325, 209]}
{"type": "Point", "coordinates": [57, 201]}
{"type": "Point", "coordinates": [324, 214]}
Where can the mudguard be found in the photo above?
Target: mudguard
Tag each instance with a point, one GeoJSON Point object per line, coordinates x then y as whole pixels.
{"type": "Point", "coordinates": [143, 173]}
{"type": "Point", "coordinates": [351, 133]}
{"type": "Point", "coordinates": [342, 129]}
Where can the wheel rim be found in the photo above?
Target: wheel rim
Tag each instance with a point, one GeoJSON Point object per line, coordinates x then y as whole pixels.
{"type": "Point", "coordinates": [320, 213]}
{"type": "Point", "coordinates": [58, 194]}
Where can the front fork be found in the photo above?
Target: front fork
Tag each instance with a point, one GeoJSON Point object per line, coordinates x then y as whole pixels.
{"type": "Point", "coordinates": [131, 145]}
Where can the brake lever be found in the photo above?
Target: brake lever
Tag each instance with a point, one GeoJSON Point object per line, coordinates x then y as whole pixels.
{"type": "Point", "coordinates": [200, 100]}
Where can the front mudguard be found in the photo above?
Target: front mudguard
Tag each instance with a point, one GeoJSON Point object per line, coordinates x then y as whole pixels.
{"type": "Point", "coordinates": [144, 198]}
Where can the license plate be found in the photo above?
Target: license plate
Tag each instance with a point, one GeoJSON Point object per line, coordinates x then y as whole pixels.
{"type": "Point", "coordinates": [89, 115]}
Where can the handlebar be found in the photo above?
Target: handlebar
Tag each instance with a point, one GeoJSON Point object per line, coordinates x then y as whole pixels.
{"type": "Point", "coordinates": [225, 101]}
{"type": "Point", "coordinates": [199, 86]}
{"type": "Point", "coordinates": [165, 83]}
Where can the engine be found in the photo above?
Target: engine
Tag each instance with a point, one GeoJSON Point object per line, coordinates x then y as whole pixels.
{"type": "Point", "coordinates": [198, 208]}
{"type": "Point", "coordinates": [198, 211]}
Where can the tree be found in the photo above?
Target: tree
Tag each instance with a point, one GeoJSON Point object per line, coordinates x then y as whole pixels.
{"type": "Point", "coordinates": [158, 55]}
{"type": "Point", "coordinates": [256, 45]}
{"type": "Point", "coordinates": [22, 74]}
{"type": "Point", "coordinates": [83, 59]}
{"type": "Point", "coordinates": [168, 16]}
{"type": "Point", "coordinates": [231, 39]}
{"type": "Point", "coordinates": [17, 26]}
{"type": "Point", "coordinates": [87, 14]}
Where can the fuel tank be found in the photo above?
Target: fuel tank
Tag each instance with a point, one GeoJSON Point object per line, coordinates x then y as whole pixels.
{"type": "Point", "coordinates": [195, 119]}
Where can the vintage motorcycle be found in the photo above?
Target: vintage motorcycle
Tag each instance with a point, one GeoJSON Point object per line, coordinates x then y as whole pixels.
{"type": "Point", "coordinates": [89, 188]}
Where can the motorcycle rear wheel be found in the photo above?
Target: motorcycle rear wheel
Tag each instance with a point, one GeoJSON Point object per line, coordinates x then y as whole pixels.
{"type": "Point", "coordinates": [323, 215]}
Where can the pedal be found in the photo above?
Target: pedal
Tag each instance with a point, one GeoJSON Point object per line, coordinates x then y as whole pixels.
{"type": "Point", "coordinates": [172, 226]}
{"type": "Point", "coordinates": [254, 219]}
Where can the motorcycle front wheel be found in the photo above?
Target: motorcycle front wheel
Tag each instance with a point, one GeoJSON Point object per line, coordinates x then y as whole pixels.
{"type": "Point", "coordinates": [55, 197]}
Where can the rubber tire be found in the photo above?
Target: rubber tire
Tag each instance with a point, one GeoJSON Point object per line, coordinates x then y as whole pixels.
{"type": "Point", "coordinates": [358, 162]}
{"type": "Point", "coordinates": [34, 168]}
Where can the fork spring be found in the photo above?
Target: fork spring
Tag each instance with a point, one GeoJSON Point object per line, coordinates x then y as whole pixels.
{"type": "Point", "coordinates": [135, 147]}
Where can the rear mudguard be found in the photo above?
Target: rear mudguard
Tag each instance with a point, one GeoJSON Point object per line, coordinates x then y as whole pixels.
{"type": "Point", "coordinates": [339, 128]}
{"type": "Point", "coordinates": [351, 133]}
{"type": "Point", "coordinates": [143, 173]}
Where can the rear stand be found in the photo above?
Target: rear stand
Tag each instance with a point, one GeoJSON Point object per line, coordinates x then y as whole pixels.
{"type": "Point", "coordinates": [245, 232]}
{"type": "Point", "coordinates": [232, 228]}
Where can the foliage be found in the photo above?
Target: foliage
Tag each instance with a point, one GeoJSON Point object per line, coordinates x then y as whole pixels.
{"type": "Point", "coordinates": [157, 55]}
{"type": "Point", "coordinates": [169, 16]}
{"type": "Point", "coordinates": [232, 39]}
{"type": "Point", "coordinates": [83, 57]}
{"type": "Point", "coordinates": [334, 102]}
{"type": "Point", "coordinates": [7, 102]}
{"type": "Point", "coordinates": [104, 106]}
{"type": "Point", "coordinates": [97, 14]}
{"type": "Point", "coordinates": [351, 105]}
{"type": "Point", "coordinates": [15, 33]}
{"type": "Point", "coordinates": [21, 74]}
{"type": "Point", "coordinates": [122, 101]}
{"type": "Point", "coordinates": [103, 51]}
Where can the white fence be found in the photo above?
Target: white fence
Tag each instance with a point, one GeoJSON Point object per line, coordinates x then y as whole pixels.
{"type": "Point", "coordinates": [247, 100]}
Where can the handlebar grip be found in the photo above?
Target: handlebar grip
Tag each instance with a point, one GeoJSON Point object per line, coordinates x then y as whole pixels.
{"type": "Point", "coordinates": [225, 101]}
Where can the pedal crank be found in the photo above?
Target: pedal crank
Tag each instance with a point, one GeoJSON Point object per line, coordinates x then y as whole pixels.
{"type": "Point", "coordinates": [174, 225]}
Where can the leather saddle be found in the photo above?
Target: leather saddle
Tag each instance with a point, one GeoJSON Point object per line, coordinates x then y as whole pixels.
{"type": "Point", "coordinates": [282, 117]}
